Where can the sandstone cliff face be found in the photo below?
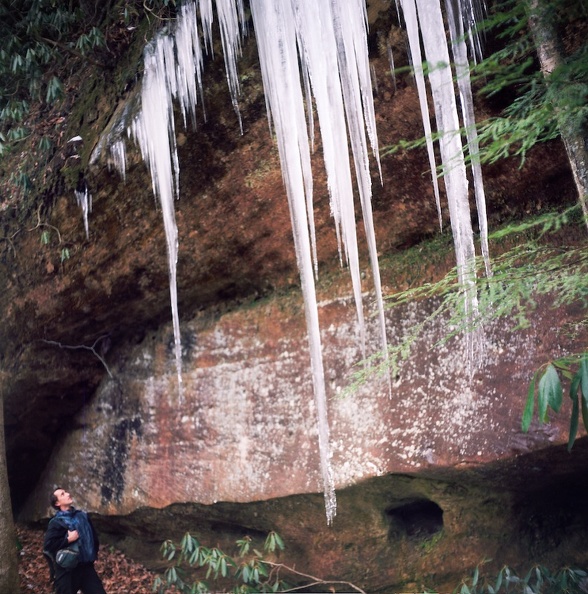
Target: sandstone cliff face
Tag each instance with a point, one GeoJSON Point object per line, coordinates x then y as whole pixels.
{"type": "Point", "coordinates": [430, 479]}
{"type": "Point", "coordinates": [440, 466]}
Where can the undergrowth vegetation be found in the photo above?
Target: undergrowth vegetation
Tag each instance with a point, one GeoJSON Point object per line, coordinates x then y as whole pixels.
{"type": "Point", "coordinates": [250, 570]}
{"type": "Point", "coordinates": [541, 265]}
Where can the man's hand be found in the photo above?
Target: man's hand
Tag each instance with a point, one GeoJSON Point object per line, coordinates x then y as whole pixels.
{"type": "Point", "coordinates": [72, 535]}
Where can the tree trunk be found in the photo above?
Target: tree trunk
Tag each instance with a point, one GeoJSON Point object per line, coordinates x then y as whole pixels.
{"type": "Point", "coordinates": [551, 56]}
{"type": "Point", "coordinates": [8, 550]}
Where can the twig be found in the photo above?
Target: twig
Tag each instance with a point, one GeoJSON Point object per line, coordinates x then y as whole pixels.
{"type": "Point", "coordinates": [40, 224]}
{"type": "Point", "coordinates": [9, 241]}
{"type": "Point", "coordinates": [83, 346]}
{"type": "Point", "coordinates": [155, 14]}
{"type": "Point", "coordinates": [317, 581]}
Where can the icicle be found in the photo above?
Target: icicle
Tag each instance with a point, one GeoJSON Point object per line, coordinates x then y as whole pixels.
{"type": "Point", "coordinates": [229, 17]}
{"type": "Point", "coordinates": [462, 70]}
{"type": "Point", "coordinates": [374, 78]}
{"type": "Point", "coordinates": [319, 50]}
{"type": "Point", "coordinates": [274, 26]}
{"type": "Point", "coordinates": [472, 12]}
{"type": "Point", "coordinates": [391, 62]}
{"type": "Point", "coordinates": [349, 20]}
{"type": "Point", "coordinates": [410, 18]}
{"type": "Point", "coordinates": [154, 130]}
{"type": "Point", "coordinates": [456, 183]}
{"type": "Point", "coordinates": [207, 18]}
{"type": "Point", "coordinates": [189, 61]}
{"type": "Point", "coordinates": [119, 158]}
{"type": "Point", "coordinates": [333, 48]}
{"type": "Point", "coordinates": [84, 200]}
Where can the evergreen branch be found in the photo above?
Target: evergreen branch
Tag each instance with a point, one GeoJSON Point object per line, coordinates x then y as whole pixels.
{"type": "Point", "coordinates": [72, 51]}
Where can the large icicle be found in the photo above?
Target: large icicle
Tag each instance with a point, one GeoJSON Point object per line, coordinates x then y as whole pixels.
{"type": "Point", "coordinates": [454, 170]}
{"type": "Point", "coordinates": [412, 29]}
{"type": "Point", "coordinates": [274, 26]}
{"type": "Point", "coordinates": [154, 131]}
{"type": "Point", "coordinates": [332, 40]}
{"type": "Point", "coordinates": [350, 20]}
{"type": "Point", "coordinates": [462, 71]}
{"type": "Point", "coordinates": [319, 51]}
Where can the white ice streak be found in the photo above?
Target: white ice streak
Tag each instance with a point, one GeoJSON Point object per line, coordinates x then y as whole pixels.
{"type": "Point", "coordinates": [412, 28]}
{"type": "Point", "coordinates": [462, 70]}
{"type": "Point", "coordinates": [391, 62]}
{"type": "Point", "coordinates": [173, 70]}
{"type": "Point", "coordinates": [331, 40]}
{"type": "Point", "coordinates": [318, 45]}
{"type": "Point", "coordinates": [84, 200]}
{"type": "Point", "coordinates": [118, 157]}
{"type": "Point", "coordinates": [154, 130]}
{"type": "Point", "coordinates": [189, 61]}
{"type": "Point", "coordinates": [454, 171]}
{"type": "Point", "coordinates": [232, 27]}
{"type": "Point", "coordinates": [276, 41]}
{"type": "Point", "coordinates": [350, 26]}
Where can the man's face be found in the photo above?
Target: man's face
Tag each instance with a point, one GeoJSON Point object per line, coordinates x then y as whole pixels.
{"type": "Point", "coordinates": [63, 498]}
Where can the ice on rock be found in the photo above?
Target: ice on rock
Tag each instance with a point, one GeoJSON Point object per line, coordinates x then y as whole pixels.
{"type": "Point", "coordinates": [309, 50]}
{"type": "Point", "coordinates": [451, 150]}
{"type": "Point", "coordinates": [84, 200]}
{"type": "Point", "coordinates": [412, 28]}
{"type": "Point", "coordinates": [462, 70]}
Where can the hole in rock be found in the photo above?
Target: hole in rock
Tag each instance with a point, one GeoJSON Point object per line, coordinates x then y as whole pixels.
{"type": "Point", "coordinates": [419, 518]}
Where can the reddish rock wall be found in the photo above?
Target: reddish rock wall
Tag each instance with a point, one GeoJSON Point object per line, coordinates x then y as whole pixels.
{"type": "Point", "coordinates": [238, 452]}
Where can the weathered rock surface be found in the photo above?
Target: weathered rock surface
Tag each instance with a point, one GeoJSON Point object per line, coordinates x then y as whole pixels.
{"type": "Point", "coordinates": [441, 460]}
{"type": "Point", "coordinates": [430, 480]}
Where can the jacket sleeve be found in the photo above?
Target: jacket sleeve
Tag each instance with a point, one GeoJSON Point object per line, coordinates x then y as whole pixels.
{"type": "Point", "coordinates": [95, 536]}
{"type": "Point", "coordinates": [55, 537]}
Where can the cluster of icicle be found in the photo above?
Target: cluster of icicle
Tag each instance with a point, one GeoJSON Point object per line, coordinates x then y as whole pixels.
{"type": "Point", "coordinates": [308, 49]}
{"type": "Point", "coordinates": [426, 16]}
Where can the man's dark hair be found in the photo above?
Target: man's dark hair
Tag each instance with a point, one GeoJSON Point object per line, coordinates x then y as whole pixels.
{"type": "Point", "coordinates": [53, 498]}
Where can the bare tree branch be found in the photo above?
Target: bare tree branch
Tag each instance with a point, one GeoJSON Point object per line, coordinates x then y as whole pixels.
{"type": "Point", "coordinates": [316, 581]}
{"type": "Point", "coordinates": [83, 346]}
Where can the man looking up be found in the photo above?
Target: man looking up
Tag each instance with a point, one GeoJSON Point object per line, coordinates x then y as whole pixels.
{"type": "Point", "coordinates": [71, 525]}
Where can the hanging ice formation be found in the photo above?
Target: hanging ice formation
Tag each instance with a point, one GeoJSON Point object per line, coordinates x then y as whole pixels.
{"type": "Point", "coordinates": [306, 47]}
{"type": "Point", "coordinates": [329, 41]}
{"type": "Point", "coordinates": [455, 20]}
{"type": "Point", "coordinates": [84, 200]}
{"type": "Point", "coordinates": [425, 16]}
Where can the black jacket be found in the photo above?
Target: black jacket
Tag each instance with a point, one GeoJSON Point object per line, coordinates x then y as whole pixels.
{"type": "Point", "coordinates": [56, 539]}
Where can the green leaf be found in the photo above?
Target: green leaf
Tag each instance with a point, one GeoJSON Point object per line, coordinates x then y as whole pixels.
{"type": "Point", "coordinates": [279, 541]}
{"type": "Point", "coordinates": [498, 581]}
{"type": "Point", "coordinates": [584, 412]}
{"type": "Point", "coordinates": [584, 375]}
{"type": "Point", "coordinates": [574, 419]}
{"type": "Point", "coordinates": [246, 573]}
{"type": "Point", "coordinates": [550, 392]}
{"type": "Point", "coordinates": [529, 406]}
{"type": "Point", "coordinates": [54, 90]}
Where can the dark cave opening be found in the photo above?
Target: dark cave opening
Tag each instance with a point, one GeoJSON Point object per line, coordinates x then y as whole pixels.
{"type": "Point", "coordinates": [416, 519]}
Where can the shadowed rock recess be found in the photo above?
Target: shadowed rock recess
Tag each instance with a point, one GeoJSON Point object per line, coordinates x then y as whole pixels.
{"type": "Point", "coordinates": [431, 480]}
